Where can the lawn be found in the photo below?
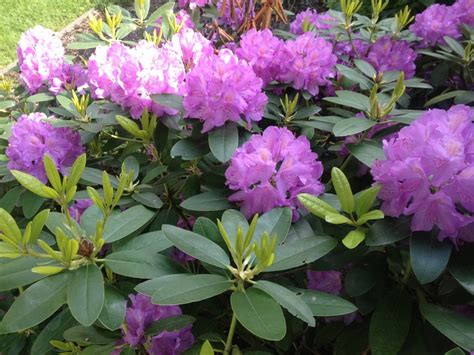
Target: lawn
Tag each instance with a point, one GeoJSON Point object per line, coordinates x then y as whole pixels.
{"type": "Point", "coordinates": [18, 15]}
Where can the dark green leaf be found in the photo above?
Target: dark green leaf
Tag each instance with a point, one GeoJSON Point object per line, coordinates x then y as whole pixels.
{"type": "Point", "coordinates": [197, 246]}
{"type": "Point", "coordinates": [352, 126]}
{"type": "Point", "coordinates": [302, 251]}
{"type": "Point", "coordinates": [169, 100]}
{"type": "Point", "coordinates": [428, 256]}
{"type": "Point", "coordinates": [463, 272]}
{"type": "Point", "coordinates": [275, 222]}
{"type": "Point", "coordinates": [148, 199]}
{"type": "Point", "coordinates": [223, 141]}
{"type": "Point", "coordinates": [37, 303]}
{"type": "Point", "coordinates": [183, 288]}
{"type": "Point", "coordinates": [170, 324]}
{"type": "Point", "coordinates": [89, 335]}
{"type": "Point", "coordinates": [17, 273]}
{"type": "Point", "coordinates": [259, 313]}
{"type": "Point", "coordinates": [85, 294]}
{"type": "Point", "coordinates": [52, 331]}
{"type": "Point", "coordinates": [113, 312]}
{"type": "Point", "coordinates": [125, 223]}
{"type": "Point", "coordinates": [326, 305]}
{"type": "Point", "coordinates": [207, 202]}
{"type": "Point", "coordinates": [390, 324]}
{"type": "Point", "coordinates": [458, 328]}
{"type": "Point", "coordinates": [388, 231]}
{"type": "Point", "coordinates": [367, 152]}
{"type": "Point", "coordinates": [149, 242]}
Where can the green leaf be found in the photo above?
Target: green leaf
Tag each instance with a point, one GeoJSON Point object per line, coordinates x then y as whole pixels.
{"type": "Point", "coordinates": [455, 351]}
{"type": "Point", "coordinates": [85, 294]}
{"type": "Point", "coordinates": [326, 305]}
{"type": "Point", "coordinates": [76, 171]}
{"type": "Point", "coordinates": [52, 331]}
{"type": "Point", "coordinates": [428, 256]}
{"type": "Point", "coordinates": [316, 206]}
{"type": "Point", "coordinates": [197, 246]}
{"type": "Point", "coordinates": [129, 125]}
{"type": "Point", "coordinates": [34, 185]}
{"type": "Point", "coordinates": [455, 46]}
{"type": "Point", "coordinates": [94, 177]}
{"type": "Point", "coordinates": [170, 324]}
{"type": "Point", "coordinates": [351, 99]}
{"type": "Point", "coordinates": [343, 190]}
{"type": "Point", "coordinates": [388, 231]}
{"type": "Point", "coordinates": [275, 222]}
{"type": "Point", "coordinates": [30, 204]}
{"type": "Point", "coordinates": [463, 272]}
{"type": "Point", "coordinates": [188, 149]}
{"type": "Point", "coordinates": [4, 105]}
{"type": "Point", "coordinates": [113, 312]}
{"type": "Point", "coordinates": [37, 303]}
{"type": "Point", "coordinates": [390, 324]}
{"type": "Point", "coordinates": [89, 335]}
{"type": "Point", "coordinates": [85, 45]}
{"type": "Point", "coordinates": [67, 104]}
{"type": "Point", "coordinates": [206, 348]}
{"type": "Point", "coordinates": [148, 199]}
{"type": "Point", "coordinates": [149, 242]}
{"type": "Point", "coordinates": [169, 100]}
{"type": "Point", "coordinates": [125, 223]}
{"type": "Point", "coordinates": [204, 226]}
{"type": "Point", "coordinates": [182, 288]}
{"type": "Point", "coordinates": [58, 220]}
{"type": "Point", "coordinates": [223, 141]}
{"type": "Point", "coordinates": [9, 227]}
{"type": "Point", "coordinates": [231, 220]}
{"type": "Point", "coordinates": [337, 218]}
{"type": "Point", "coordinates": [353, 239]}
{"type": "Point", "coordinates": [162, 10]}
{"type": "Point", "coordinates": [259, 313]}
{"type": "Point", "coordinates": [41, 97]}
{"type": "Point", "coordinates": [207, 202]}
{"type": "Point", "coordinates": [458, 328]}
{"type": "Point", "coordinates": [360, 280]}
{"type": "Point", "coordinates": [9, 200]}
{"type": "Point", "coordinates": [140, 264]}
{"type": "Point", "coordinates": [300, 252]}
{"type": "Point", "coordinates": [365, 199]}
{"type": "Point", "coordinates": [370, 216]}
{"type": "Point", "coordinates": [367, 152]}
{"type": "Point", "coordinates": [288, 300]}
{"type": "Point", "coordinates": [351, 126]}
{"type": "Point", "coordinates": [17, 273]}
{"type": "Point", "coordinates": [52, 173]}
{"type": "Point", "coordinates": [365, 68]}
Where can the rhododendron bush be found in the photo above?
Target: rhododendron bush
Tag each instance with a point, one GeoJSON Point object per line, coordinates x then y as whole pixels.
{"type": "Point", "coordinates": [230, 177]}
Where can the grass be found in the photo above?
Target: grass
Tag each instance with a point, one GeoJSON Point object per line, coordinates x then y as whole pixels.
{"type": "Point", "coordinates": [16, 16]}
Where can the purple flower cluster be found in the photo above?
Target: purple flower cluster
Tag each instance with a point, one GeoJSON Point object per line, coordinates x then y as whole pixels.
{"type": "Point", "coordinates": [310, 63]}
{"type": "Point", "coordinates": [141, 314]}
{"type": "Point", "coordinates": [193, 3]}
{"type": "Point", "coordinates": [436, 22]}
{"type": "Point", "coordinates": [129, 76]}
{"type": "Point", "coordinates": [31, 139]}
{"type": "Point", "coordinates": [271, 169]}
{"type": "Point", "coordinates": [222, 88]}
{"type": "Point", "coordinates": [192, 46]}
{"type": "Point", "coordinates": [465, 11]}
{"type": "Point", "coordinates": [264, 52]}
{"type": "Point", "coordinates": [429, 172]}
{"type": "Point", "coordinates": [388, 54]}
{"type": "Point", "coordinates": [318, 22]}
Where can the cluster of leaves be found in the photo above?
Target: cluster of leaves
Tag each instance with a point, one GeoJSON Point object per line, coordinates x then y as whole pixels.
{"type": "Point", "coordinates": [65, 283]}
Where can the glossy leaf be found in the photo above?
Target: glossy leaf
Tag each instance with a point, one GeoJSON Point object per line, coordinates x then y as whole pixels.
{"type": "Point", "coordinates": [113, 311]}
{"type": "Point", "coordinates": [326, 305]}
{"type": "Point", "coordinates": [223, 141]}
{"type": "Point", "coordinates": [125, 223]}
{"type": "Point", "coordinates": [207, 202]}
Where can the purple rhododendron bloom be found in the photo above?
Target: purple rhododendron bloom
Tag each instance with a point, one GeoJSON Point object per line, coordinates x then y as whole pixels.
{"type": "Point", "coordinates": [40, 57]}
{"type": "Point", "coordinates": [310, 63]}
{"type": "Point", "coordinates": [31, 138]}
{"type": "Point", "coordinates": [193, 3]}
{"type": "Point", "coordinates": [79, 207]}
{"type": "Point", "coordinates": [193, 47]}
{"type": "Point", "coordinates": [271, 169]}
{"type": "Point", "coordinates": [130, 76]}
{"type": "Point", "coordinates": [387, 54]}
{"type": "Point", "coordinates": [436, 22]}
{"type": "Point", "coordinates": [223, 88]}
{"type": "Point", "coordinates": [465, 11]}
{"type": "Point", "coordinates": [322, 21]}
{"type": "Point", "coordinates": [264, 52]}
{"type": "Point", "coordinates": [429, 171]}
{"type": "Point", "coordinates": [141, 314]}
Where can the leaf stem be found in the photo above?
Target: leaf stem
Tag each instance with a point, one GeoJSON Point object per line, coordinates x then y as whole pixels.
{"type": "Point", "coordinates": [230, 336]}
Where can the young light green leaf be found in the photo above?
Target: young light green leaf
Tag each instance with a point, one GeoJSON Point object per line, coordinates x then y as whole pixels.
{"type": "Point", "coordinates": [316, 206]}
{"type": "Point", "coordinates": [52, 173]}
{"type": "Point", "coordinates": [9, 227]}
{"type": "Point", "coordinates": [353, 239]}
{"type": "Point", "coordinates": [365, 199]}
{"type": "Point", "coordinates": [370, 216]}
{"type": "Point", "coordinates": [337, 218]}
{"type": "Point", "coordinates": [128, 125]}
{"type": "Point", "coordinates": [34, 185]}
{"type": "Point", "coordinates": [343, 190]}
{"type": "Point", "coordinates": [76, 171]}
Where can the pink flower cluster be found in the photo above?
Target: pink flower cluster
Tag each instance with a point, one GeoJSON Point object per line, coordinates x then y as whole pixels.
{"type": "Point", "coordinates": [436, 22]}
{"type": "Point", "coordinates": [192, 47]}
{"type": "Point", "coordinates": [130, 76]}
{"type": "Point", "coordinates": [41, 60]}
{"type": "Point", "coordinates": [429, 172]}
{"type": "Point", "coordinates": [318, 22]}
{"type": "Point", "coordinates": [388, 54]}
{"type": "Point", "coordinates": [264, 52]}
{"type": "Point", "coordinates": [310, 63]}
{"type": "Point", "coordinates": [271, 169]}
{"type": "Point", "coordinates": [193, 3]}
{"type": "Point", "coordinates": [31, 139]}
{"type": "Point", "coordinates": [465, 11]}
{"type": "Point", "coordinates": [222, 88]}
